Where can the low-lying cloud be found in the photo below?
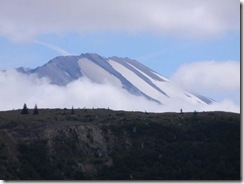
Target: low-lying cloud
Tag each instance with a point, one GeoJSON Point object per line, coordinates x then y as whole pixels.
{"type": "Point", "coordinates": [211, 78]}
{"type": "Point", "coordinates": [17, 89]}
{"type": "Point", "coordinates": [25, 19]}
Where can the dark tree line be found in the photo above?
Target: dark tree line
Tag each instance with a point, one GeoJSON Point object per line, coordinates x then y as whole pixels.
{"type": "Point", "coordinates": [25, 110]}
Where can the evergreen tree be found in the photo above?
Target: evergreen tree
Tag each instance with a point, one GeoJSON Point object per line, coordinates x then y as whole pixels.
{"type": "Point", "coordinates": [35, 110]}
{"type": "Point", "coordinates": [25, 109]}
{"type": "Point", "coordinates": [72, 110]}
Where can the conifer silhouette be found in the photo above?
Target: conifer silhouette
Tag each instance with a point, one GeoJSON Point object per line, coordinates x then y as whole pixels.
{"type": "Point", "coordinates": [35, 110]}
{"type": "Point", "coordinates": [72, 110]}
{"type": "Point", "coordinates": [25, 109]}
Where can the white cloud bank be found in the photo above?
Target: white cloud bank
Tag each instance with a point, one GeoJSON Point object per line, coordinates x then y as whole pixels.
{"type": "Point", "coordinates": [211, 78]}
{"type": "Point", "coordinates": [25, 19]}
{"type": "Point", "coordinates": [17, 89]}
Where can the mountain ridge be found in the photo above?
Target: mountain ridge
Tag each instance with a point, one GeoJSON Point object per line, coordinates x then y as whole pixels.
{"type": "Point", "coordinates": [124, 73]}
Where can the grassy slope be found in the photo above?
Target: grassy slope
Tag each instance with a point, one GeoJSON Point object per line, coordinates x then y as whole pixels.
{"type": "Point", "coordinates": [105, 144]}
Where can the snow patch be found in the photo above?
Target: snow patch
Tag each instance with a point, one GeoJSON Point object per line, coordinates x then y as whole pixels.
{"type": "Point", "coordinates": [97, 74]}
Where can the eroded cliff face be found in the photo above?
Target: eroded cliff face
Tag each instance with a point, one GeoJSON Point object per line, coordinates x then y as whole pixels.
{"type": "Point", "coordinates": [85, 143]}
{"type": "Point", "coordinates": [105, 144]}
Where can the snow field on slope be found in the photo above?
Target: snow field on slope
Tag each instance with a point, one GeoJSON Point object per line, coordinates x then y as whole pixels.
{"type": "Point", "coordinates": [176, 93]}
{"type": "Point", "coordinates": [138, 82]}
{"type": "Point", "coordinates": [97, 74]}
{"type": "Point", "coordinates": [187, 95]}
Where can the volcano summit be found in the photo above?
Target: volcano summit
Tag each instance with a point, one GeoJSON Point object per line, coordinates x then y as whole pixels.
{"type": "Point", "coordinates": [123, 73]}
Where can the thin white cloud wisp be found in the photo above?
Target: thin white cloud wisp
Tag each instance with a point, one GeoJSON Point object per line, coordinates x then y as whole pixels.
{"type": "Point", "coordinates": [53, 47]}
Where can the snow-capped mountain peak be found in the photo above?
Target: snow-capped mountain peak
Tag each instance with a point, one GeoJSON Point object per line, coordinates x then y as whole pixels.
{"type": "Point", "coordinates": [124, 73]}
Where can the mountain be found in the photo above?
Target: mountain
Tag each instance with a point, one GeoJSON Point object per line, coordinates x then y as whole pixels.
{"type": "Point", "coordinates": [123, 73]}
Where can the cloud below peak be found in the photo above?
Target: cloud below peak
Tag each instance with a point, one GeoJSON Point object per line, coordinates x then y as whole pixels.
{"type": "Point", "coordinates": [22, 20]}
{"type": "Point", "coordinates": [17, 89]}
{"type": "Point", "coordinates": [210, 78]}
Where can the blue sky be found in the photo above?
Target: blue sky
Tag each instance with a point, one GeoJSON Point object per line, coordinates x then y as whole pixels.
{"type": "Point", "coordinates": [163, 35]}
{"type": "Point", "coordinates": [162, 54]}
